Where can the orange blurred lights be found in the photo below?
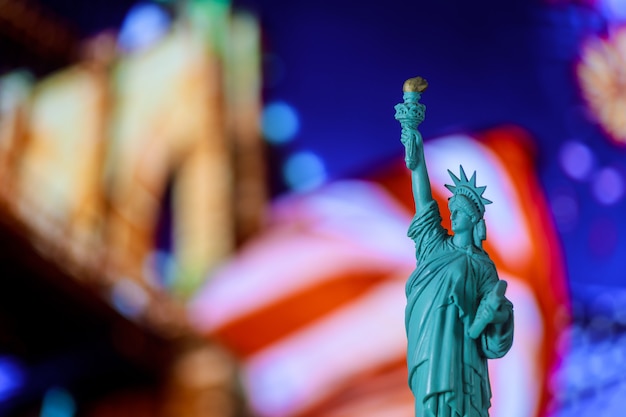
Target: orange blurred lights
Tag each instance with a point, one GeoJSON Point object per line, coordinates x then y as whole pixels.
{"type": "Point", "coordinates": [91, 155]}
{"type": "Point", "coordinates": [601, 74]}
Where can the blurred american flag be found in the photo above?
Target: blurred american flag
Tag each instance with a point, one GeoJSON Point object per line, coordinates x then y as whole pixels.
{"type": "Point", "coordinates": [314, 306]}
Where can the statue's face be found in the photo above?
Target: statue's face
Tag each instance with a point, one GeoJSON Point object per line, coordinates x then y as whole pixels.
{"type": "Point", "coordinates": [461, 221]}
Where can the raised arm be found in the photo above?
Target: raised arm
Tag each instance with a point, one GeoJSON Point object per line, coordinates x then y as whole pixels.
{"type": "Point", "coordinates": [414, 159]}
{"type": "Point", "coordinates": [410, 114]}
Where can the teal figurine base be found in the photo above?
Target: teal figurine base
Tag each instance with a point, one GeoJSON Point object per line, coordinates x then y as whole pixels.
{"type": "Point", "coordinates": [457, 315]}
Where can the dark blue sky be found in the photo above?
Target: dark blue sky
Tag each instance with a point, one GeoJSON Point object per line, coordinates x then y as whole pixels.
{"type": "Point", "coordinates": [341, 65]}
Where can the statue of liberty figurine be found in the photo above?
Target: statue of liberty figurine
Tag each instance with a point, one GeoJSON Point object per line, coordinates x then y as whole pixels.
{"type": "Point", "coordinates": [457, 316]}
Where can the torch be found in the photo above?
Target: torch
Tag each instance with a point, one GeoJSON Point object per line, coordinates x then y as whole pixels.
{"type": "Point", "coordinates": [410, 114]}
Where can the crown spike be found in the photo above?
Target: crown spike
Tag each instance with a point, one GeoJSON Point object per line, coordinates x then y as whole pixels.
{"type": "Point", "coordinates": [454, 178]}
{"type": "Point", "coordinates": [473, 180]}
{"type": "Point", "coordinates": [463, 175]}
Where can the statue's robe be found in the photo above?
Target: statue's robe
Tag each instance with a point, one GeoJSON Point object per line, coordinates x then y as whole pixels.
{"type": "Point", "coordinates": [448, 369]}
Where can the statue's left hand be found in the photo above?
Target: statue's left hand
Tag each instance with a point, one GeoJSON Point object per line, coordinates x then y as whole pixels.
{"type": "Point", "coordinates": [493, 309]}
{"type": "Point", "coordinates": [497, 304]}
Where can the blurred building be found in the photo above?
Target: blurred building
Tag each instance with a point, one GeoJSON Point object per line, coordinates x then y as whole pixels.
{"type": "Point", "coordinates": [131, 167]}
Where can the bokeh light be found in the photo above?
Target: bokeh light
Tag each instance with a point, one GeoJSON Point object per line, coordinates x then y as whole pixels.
{"type": "Point", "coordinates": [608, 186]}
{"type": "Point", "coordinates": [128, 298]}
{"type": "Point", "coordinates": [144, 24]}
{"type": "Point", "coordinates": [58, 402]}
{"type": "Point", "coordinates": [280, 122]}
{"type": "Point", "coordinates": [576, 160]}
{"type": "Point", "coordinates": [11, 376]}
{"type": "Point", "coordinates": [304, 171]}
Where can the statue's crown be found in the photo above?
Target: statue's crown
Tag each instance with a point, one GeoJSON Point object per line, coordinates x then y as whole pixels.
{"type": "Point", "coordinates": [469, 189]}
